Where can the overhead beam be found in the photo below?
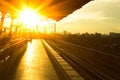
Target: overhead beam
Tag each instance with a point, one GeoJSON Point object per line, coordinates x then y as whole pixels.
{"type": "Point", "coordinates": [55, 9]}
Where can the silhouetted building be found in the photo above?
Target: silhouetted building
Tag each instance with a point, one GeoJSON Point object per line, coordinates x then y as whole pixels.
{"type": "Point", "coordinates": [65, 32]}
{"type": "Point", "coordinates": [113, 34]}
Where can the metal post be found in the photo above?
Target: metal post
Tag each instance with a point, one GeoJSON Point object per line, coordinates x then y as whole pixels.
{"type": "Point", "coordinates": [37, 28]}
{"type": "Point", "coordinates": [45, 30]}
{"type": "Point", "coordinates": [54, 28]}
{"type": "Point", "coordinates": [11, 25]}
{"type": "Point", "coordinates": [2, 21]}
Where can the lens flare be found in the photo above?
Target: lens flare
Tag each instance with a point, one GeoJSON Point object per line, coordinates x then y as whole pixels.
{"type": "Point", "coordinates": [29, 17]}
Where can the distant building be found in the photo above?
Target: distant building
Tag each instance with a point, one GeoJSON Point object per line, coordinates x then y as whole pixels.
{"type": "Point", "coordinates": [65, 32]}
{"type": "Point", "coordinates": [77, 34]}
{"type": "Point", "coordinates": [98, 34]}
{"type": "Point", "coordinates": [113, 34]}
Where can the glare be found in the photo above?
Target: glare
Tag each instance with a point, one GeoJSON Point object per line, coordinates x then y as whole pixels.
{"type": "Point", "coordinates": [29, 53]}
{"type": "Point", "coordinates": [29, 17]}
{"type": "Point", "coordinates": [0, 15]}
{"type": "Point", "coordinates": [7, 20]}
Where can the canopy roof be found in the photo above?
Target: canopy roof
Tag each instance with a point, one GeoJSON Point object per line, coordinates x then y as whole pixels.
{"type": "Point", "coordinates": [55, 9]}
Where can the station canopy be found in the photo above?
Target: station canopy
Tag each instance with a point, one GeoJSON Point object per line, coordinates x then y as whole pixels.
{"type": "Point", "coordinates": [55, 9]}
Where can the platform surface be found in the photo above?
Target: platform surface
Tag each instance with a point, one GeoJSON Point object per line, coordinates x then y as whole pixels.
{"type": "Point", "coordinates": [35, 64]}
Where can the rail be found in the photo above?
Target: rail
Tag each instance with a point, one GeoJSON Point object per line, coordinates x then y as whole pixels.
{"type": "Point", "coordinates": [8, 50]}
{"type": "Point", "coordinates": [88, 66]}
{"type": "Point", "coordinates": [92, 50]}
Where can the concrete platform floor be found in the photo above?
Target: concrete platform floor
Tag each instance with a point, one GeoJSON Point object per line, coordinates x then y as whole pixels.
{"type": "Point", "coordinates": [35, 64]}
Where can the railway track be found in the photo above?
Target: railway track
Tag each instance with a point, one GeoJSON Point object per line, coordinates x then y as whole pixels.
{"type": "Point", "coordinates": [91, 64]}
{"type": "Point", "coordinates": [63, 69]}
{"type": "Point", "coordinates": [9, 48]}
{"type": "Point", "coordinates": [10, 57]}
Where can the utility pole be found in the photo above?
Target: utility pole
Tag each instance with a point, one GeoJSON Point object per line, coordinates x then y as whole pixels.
{"type": "Point", "coordinates": [45, 30]}
{"type": "Point", "coordinates": [2, 21]}
{"type": "Point", "coordinates": [37, 28]}
{"type": "Point", "coordinates": [11, 25]}
{"type": "Point", "coordinates": [54, 28]}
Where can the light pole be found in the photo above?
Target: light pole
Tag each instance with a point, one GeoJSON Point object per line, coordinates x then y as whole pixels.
{"type": "Point", "coordinates": [54, 28]}
{"type": "Point", "coordinates": [2, 21]}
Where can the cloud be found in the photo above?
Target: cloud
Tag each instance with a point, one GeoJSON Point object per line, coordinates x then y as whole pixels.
{"type": "Point", "coordinates": [97, 10]}
{"type": "Point", "coordinates": [96, 16]}
{"type": "Point", "coordinates": [108, 0]}
{"type": "Point", "coordinates": [91, 16]}
{"type": "Point", "coordinates": [118, 28]}
{"type": "Point", "coordinates": [86, 15]}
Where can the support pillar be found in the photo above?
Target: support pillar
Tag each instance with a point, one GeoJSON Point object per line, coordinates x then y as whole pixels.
{"type": "Point", "coordinates": [11, 25]}
{"type": "Point", "coordinates": [2, 21]}
{"type": "Point", "coordinates": [37, 28]}
{"type": "Point", "coordinates": [45, 30]}
{"type": "Point", "coordinates": [54, 28]}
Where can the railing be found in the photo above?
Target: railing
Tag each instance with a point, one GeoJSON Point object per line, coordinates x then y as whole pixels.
{"type": "Point", "coordinates": [8, 50]}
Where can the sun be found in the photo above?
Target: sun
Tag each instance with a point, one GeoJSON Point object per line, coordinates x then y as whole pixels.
{"type": "Point", "coordinates": [29, 17]}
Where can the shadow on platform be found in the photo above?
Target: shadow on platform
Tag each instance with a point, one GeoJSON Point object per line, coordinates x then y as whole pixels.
{"type": "Point", "coordinates": [8, 67]}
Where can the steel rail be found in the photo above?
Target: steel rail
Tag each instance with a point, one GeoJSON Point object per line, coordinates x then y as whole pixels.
{"type": "Point", "coordinates": [98, 74]}
{"type": "Point", "coordinates": [59, 70]}
{"type": "Point", "coordinates": [4, 52]}
{"type": "Point", "coordinates": [90, 49]}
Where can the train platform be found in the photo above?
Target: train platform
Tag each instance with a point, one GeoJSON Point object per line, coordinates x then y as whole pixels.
{"type": "Point", "coordinates": [36, 60]}
{"type": "Point", "coordinates": [35, 64]}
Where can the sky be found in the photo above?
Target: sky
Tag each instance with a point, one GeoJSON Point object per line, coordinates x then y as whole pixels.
{"type": "Point", "coordinates": [102, 16]}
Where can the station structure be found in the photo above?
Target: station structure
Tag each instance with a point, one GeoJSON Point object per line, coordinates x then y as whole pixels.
{"type": "Point", "coordinates": [54, 9]}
